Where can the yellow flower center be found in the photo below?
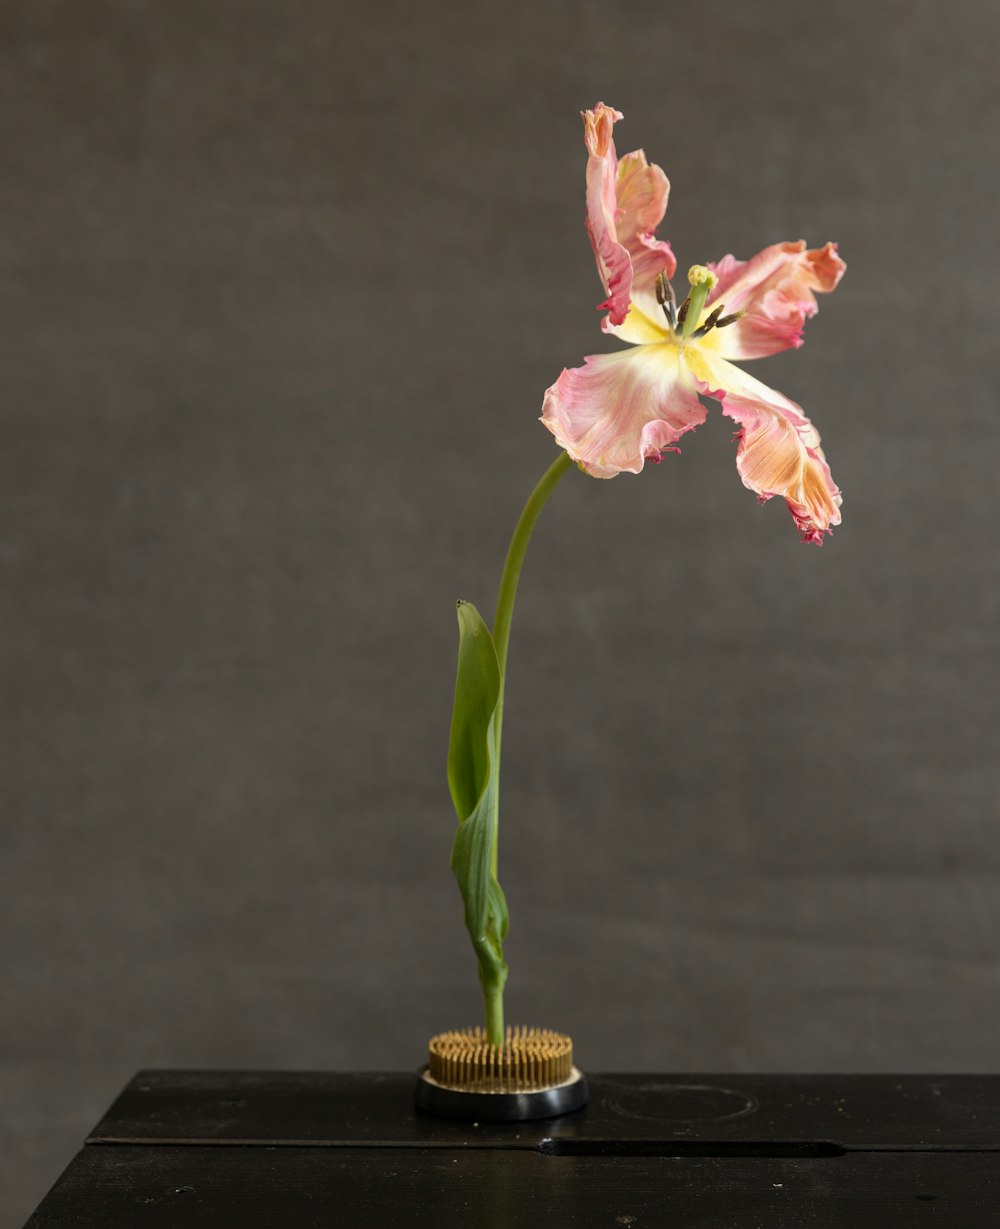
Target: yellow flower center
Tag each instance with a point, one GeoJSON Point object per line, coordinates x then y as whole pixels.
{"type": "Point", "coordinates": [684, 320]}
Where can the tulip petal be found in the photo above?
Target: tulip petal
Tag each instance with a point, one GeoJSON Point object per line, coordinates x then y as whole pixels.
{"type": "Point", "coordinates": [642, 190]}
{"type": "Point", "coordinates": [626, 201]}
{"type": "Point", "coordinates": [613, 262]}
{"type": "Point", "coordinates": [776, 289]}
{"type": "Point", "coordinates": [779, 450]}
{"type": "Point", "coordinates": [620, 410]}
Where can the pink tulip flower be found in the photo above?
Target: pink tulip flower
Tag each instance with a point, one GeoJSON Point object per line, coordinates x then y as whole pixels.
{"type": "Point", "coordinates": [619, 410]}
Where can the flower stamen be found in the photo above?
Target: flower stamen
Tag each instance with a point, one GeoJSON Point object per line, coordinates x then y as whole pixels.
{"type": "Point", "coordinates": [665, 298]}
{"type": "Point", "coordinates": [710, 322]}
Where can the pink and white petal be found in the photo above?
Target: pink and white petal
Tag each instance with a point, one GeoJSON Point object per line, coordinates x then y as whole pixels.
{"type": "Point", "coordinates": [777, 290]}
{"type": "Point", "coordinates": [645, 321]}
{"type": "Point", "coordinates": [614, 264]}
{"type": "Point", "coordinates": [644, 325]}
{"type": "Point", "coordinates": [642, 191]}
{"type": "Point", "coordinates": [620, 410]}
{"type": "Point", "coordinates": [779, 450]}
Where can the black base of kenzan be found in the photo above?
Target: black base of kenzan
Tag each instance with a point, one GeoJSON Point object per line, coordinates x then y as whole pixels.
{"type": "Point", "coordinates": [563, 1098]}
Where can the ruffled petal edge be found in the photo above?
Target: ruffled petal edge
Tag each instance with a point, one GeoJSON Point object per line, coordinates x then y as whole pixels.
{"type": "Point", "coordinates": [779, 452]}
{"type": "Point", "coordinates": [614, 264]}
{"type": "Point", "coordinates": [776, 291]}
{"type": "Point", "coordinates": [620, 410]}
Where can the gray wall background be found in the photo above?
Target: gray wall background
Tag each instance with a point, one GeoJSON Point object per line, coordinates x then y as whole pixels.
{"type": "Point", "coordinates": [282, 287]}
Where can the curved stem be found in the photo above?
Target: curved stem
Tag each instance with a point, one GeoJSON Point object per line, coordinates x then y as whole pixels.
{"type": "Point", "coordinates": [492, 977]}
{"type": "Point", "coordinates": [512, 566]}
{"type": "Point", "coordinates": [508, 585]}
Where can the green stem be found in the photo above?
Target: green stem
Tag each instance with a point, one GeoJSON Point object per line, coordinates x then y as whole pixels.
{"type": "Point", "coordinates": [493, 997]}
{"type": "Point", "coordinates": [515, 560]}
{"type": "Point", "coordinates": [493, 986]}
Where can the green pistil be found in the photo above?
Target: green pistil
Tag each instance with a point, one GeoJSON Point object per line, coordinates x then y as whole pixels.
{"type": "Point", "coordinates": [702, 281]}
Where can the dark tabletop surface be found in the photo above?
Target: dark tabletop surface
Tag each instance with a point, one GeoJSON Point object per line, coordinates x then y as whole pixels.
{"type": "Point", "coordinates": [217, 1148]}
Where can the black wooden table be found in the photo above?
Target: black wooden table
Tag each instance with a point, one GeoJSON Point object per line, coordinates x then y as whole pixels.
{"type": "Point", "coordinates": [292, 1150]}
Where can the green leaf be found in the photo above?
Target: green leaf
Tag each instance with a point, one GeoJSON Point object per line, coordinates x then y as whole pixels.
{"type": "Point", "coordinates": [473, 775]}
{"type": "Point", "coordinates": [477, 690]}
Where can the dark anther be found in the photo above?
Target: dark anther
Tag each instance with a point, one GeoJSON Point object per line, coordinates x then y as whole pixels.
{"type": "Point", "coordinates": [682, 311]}
{"type": "Point", "coordinates": [665, 298]}
{"type": "Point", "coordinates": [711, 322]}
{"type": "Point", "coordinates": [721, 324]}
